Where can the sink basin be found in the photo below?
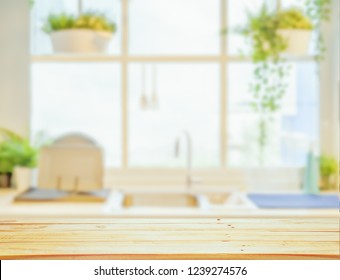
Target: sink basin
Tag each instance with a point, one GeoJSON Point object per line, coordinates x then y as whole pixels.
{"type": "Point", "coordinates": [160, 200]}
{"type": "Point", "coordinates": [218, 199]}
{"type": "Point", "coordinates": [227, 200]}
{"type": "Point", "coordinates": [172, 200]}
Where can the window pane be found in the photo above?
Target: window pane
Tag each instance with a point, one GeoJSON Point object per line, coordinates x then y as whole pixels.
{"type": "Point", "coordinates": [40, 41]}
{"type": "Point", "coordinates": [289, 135]}
{"type": "Point", "coordinates": [292, 3]}
{"type": "Point", "coordinates": [300, 127]}
{"type": "Point", "coordinates": [84, 98]}
{"type": "Point", "coordinates": [174, 27]}
{"type": "Point", "coordinates": [188, 97]}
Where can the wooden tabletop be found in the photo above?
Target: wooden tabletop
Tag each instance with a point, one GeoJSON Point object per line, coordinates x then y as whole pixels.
{"type": "Point", "coordinates": [210, 238]}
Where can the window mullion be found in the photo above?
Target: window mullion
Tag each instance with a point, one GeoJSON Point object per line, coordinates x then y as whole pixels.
{"type": "Point", "coordinates": [80, 7]}
{"type": "Point", "coordinates": [125, 80]}
{"type": "Point", "coordinates": [223, 87]}
{"type": "Point", "coordinates": [278, 5]}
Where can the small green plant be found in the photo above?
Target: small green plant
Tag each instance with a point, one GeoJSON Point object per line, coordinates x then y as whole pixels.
{"type": "Point", "coordinates": [58, 22]}
{"type": "Point", "coordinates": [16, 151]}
{"type": "Point", "coordinates": [90, 20]}
{"type": "Point", "coordinates": [95, 21]}
{"type": "Point", "coordinates": [293, 19]}
{"type": "Point", "coordinates": [329, 168]}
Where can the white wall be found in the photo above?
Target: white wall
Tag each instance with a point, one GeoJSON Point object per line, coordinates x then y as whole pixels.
{"type": "Point", "coordinates": [336, 84]}
{"type": "Point", "coordinates": [329, 94]}
{"type": "Point", "coordinates": [14, 65]}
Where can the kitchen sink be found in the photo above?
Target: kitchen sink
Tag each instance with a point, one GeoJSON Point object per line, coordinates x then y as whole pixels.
{"type": "Point", "coordinates": [160, 200]}
{"type": "Point", "coordinates": [172, 200]}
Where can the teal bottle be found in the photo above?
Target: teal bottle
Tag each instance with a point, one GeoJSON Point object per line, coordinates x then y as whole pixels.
{"type": "Point", "coordinates": [311, 175]}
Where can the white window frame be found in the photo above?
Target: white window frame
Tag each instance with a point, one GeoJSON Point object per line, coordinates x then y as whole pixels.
{"type": "Point", "coordinates": [125, 59]}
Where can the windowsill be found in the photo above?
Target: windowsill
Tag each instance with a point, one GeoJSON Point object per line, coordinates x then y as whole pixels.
{"type": "Point", "coordinates": [273, 178]}
{"type": "Point", "coordinates": [150, 58]}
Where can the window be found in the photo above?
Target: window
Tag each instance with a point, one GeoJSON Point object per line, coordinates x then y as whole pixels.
{"type": "Point", "coordinates": [71, 98]}
{"type": "Point", "coordinates": [187, 96]}
{"type": "Point", "coordinates": [291, 133]}
{"type": "Point", "coordinates": [160, 79]}
{"type": "Point", "coordinates": [188, 27]}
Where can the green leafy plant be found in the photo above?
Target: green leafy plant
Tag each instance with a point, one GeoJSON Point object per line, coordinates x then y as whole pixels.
{"type": "Point", "coordinates": [90, 20]}
{"type": "Point", "coordinates": [262, 31]}
{"type": "Point", "coordinates": [293, 18]}
{"type": "Point", "coordinates": [95, 21]}
{"type": "Point", "coordinates": [58, 22]}
{"type": "Point", "coordinates": [16, 151]}
{"type": "Point", "coordinates": [268, 89]}
{"type": "Point", "coordinates": [329, 168]}
{"type": "Point", "coordinates": [271, 70]}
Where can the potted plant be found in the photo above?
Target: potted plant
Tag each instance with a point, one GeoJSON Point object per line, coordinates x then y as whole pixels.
{"type": "Point", "coordinates": [18, 157]}
{"type": "Point", "coordinates": [296, 31]}
{"type": "Point", "coordinates": [270, 35]}
{"type": "Point", "coordinates": [269, 82]}
{"type": "Point", "coordinates": [90, 32]}
{"type": "Point", "coordinates": [329, 169]}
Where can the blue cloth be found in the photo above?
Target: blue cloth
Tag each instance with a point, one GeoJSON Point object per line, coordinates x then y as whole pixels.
{"type": "Point", "coordinates": [295, 201]}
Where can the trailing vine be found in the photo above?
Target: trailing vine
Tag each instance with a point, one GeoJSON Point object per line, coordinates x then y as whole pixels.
{"type": "Point", "coordinates": [319, 11]}
{"type": "Point", "coordinates": [268, 89]}
{"type": "Point", "coordinates": [270, 68]}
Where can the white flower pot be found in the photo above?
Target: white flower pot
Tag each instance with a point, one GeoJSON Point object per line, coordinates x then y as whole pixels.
{"type": "Point", "coordinates": [298, 41]}
{"type": "Point", "coordinates": [80, 41]}
{"type": "Point", "coordinates": [22, 177]}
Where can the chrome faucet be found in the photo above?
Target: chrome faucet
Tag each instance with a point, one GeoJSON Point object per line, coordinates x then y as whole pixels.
{"type": "Point", "coordinates": [189, 178]}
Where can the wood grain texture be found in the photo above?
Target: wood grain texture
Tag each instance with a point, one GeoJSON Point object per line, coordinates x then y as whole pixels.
{"type": "Point", "coordinates": [210, 238]}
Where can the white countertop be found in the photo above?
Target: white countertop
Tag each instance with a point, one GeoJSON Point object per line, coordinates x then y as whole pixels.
{"type": "Point", "coordinates": [8, 208]}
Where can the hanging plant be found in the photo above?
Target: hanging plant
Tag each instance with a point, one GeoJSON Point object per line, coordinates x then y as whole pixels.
{"type": "Point", "coordinates": [270, 36]}
{"type": "Point", "coordinates": [90, 32]}
{"type": "Point", "coordinates": [265, 32]}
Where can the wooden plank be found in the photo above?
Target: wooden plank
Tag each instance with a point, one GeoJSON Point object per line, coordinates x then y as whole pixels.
{"type": "Point", "coordinates": [173, 257]}
{"type": "Point", "coordinates": [284, 222]}
{"type": "Point", "coordinates": [169, 238]}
